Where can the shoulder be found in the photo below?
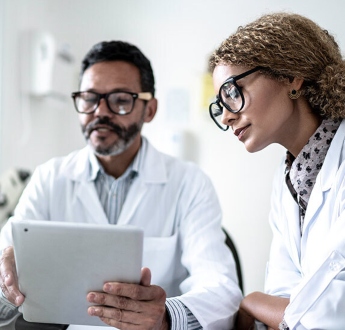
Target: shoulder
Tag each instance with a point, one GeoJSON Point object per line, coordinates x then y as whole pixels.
{"type": "Point", "coordinates": [170, 161]}
{"type": "Point", "coordinates": [69, 165]}
{"type": "Point", "coordinates": [162, 165]}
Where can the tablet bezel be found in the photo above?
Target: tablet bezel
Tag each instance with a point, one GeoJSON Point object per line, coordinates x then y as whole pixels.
{"type": "Point", "coordinates": [58, 263]}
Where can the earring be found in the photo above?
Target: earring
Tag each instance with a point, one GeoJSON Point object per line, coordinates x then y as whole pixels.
{"type": "Point", "coordinates": [293, 95]}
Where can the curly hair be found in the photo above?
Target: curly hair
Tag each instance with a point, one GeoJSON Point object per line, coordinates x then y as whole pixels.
{"type": "Point", "coordinates": [121, 51]}
{"type": "Point", "coordinates": [286, 46]}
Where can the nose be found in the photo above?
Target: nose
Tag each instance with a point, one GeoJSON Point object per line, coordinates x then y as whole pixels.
{"type": "Point", "coordinates": [228, 117]}
{"type": "Point", "coordinates": [102, 110]}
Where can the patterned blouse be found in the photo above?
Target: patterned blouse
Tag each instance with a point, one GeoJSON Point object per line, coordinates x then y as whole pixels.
{"type": "Point", "coordinates": [301, 172]}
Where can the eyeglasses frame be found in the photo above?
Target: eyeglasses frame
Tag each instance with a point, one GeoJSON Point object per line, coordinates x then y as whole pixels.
{"type": "Point", "coordinates": [145, 96]}
{"type": "Point", "coordinates": [221, 104]}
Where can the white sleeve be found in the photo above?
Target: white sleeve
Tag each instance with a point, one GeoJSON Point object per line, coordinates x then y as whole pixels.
{"type": "Point", "coordinates": [209, 261]}
{"type": "Point", "coordinates": [319, 300]}
{"type": "Point", "coordinates": [281, 273]}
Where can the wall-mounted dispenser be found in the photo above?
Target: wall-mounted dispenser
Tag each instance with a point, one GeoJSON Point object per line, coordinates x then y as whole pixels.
{"type": "Point", "coordinates": [38, 56]}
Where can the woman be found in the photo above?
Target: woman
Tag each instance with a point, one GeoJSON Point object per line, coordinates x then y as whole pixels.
{"type": "Point", "coordinates": [281, 79]}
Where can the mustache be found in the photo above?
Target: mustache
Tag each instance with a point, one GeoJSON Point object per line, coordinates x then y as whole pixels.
{"type": "Point", "coordinates": [104, 121]}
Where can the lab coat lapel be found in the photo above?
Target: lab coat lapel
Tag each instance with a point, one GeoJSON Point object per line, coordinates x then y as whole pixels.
{"type": "Point", "coordinates": [315, 202]}
{"type": "Point", "coordinates": [326, 176]}
{"type": "Point", "coordinates": [87, 196]}
{"type": "Point", "coordinates": [135, 195]}
{"type": "Point", "coordinates": [153, 171]}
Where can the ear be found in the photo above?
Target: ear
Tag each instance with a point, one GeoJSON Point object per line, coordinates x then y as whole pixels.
{"type": "Point", "coordinates": [296, 83]}
{"type": "Point", "coordinates": [150, 110]}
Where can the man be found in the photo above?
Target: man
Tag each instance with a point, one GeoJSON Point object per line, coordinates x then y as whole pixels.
{"type": "Point", "coordinates": [120, 178]}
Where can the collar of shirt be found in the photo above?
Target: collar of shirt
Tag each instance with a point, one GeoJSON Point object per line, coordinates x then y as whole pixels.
{"type": "Point", "coordinates": [96, 170]}
{"type": "Point", "coordinates": [306, 166]}
{"type": "Point", "coordinates": [112, 192]}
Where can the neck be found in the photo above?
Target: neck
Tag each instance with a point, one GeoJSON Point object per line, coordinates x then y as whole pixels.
{"type": "Point", "coordinates": [302, 128]}
{"type": "Point", "coordinates": [304, 134]}
{"type": "Point", "coordinates": [117, 165]}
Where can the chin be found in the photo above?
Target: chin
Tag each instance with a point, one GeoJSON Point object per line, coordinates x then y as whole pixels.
{"type": "Point", "coordinates": [110, 150]}
{"type": "Point", "coordinates": [253, 148]}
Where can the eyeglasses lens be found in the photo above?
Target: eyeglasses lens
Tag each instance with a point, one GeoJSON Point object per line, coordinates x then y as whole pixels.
{"type": "Point", "coordinates": [216, 113]}
{"type": "Point", "coordinates": [86, 102]}
{"type": "Point", "coordinates": [119, 102]}
{"type": "Point", "coordinates": [231, 97]}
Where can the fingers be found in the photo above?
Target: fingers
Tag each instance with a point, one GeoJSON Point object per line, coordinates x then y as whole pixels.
{"type": "Point", "coordinates": [126, 313]}
{"type": "Point", "coordinates": [134, 291]}
{"type": "Point", "coordinates": [118, 315]}
{"type": "Point", "coordinates": [132, 299]}
{"type": "Point", "coordinates": [8, 277]}
{"type": "Point", "coordinates": [127, 306]}
{"type": "Point", "coordinates": [126, 319]}
{"type": "Point", "coordinates": [145, 277]}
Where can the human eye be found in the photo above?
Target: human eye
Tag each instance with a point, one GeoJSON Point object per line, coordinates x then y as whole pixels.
{"type": "Point", "coordinates": [88, 97]}
{"type": "Point", "coordinates": [86, 101]}
{"type": "Point", "coordinates": [231, 92]}
{"type": "Point", "coordinates": [217, 111]}
{"type": "Point", "coordinates": [120, 99]}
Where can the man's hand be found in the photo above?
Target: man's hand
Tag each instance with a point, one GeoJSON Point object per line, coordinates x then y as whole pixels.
{"type": "Point", "coordinates": [8, 277]}
{"type": "Point", "coordinates": [131, 306]}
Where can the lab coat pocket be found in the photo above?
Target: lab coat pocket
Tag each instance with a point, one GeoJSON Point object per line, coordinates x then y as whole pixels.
{"type": "Point", "coordinates": [163, 256]}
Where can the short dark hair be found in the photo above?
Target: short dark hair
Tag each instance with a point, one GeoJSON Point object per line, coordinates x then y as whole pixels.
{"type": "Point", "coordinates": [121, 51]}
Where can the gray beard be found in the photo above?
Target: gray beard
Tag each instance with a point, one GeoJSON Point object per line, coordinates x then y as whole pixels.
{"type": "Point", "coordinates": [117, 148]}
{"type": "Point", "coordinates": [125, 139]}
{"type": "Point", "coordinates": [126, 136]}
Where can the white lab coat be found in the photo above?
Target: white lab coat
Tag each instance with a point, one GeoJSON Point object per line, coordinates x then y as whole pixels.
{"type": "Point", "coordinates": [311, 269]}
{"type": "Point", "coordinates": [176, 206]}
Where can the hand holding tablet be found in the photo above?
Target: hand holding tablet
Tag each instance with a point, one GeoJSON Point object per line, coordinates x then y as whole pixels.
{"type": "Point", "coordinates": [59, 263]}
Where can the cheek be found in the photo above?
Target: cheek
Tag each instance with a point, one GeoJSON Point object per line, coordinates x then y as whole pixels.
{"type": "Point", "coordinates": [84, 119]}
{"type": "Point", "coordinates": [270, 104]}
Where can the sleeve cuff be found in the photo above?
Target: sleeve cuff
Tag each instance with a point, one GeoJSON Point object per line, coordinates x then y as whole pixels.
{"type": "Point", "coordinates": [181, 317]}
{"type": "Point", "coordinates": [7, 309]}
{"type": "Point", "coordinates": [177, 313]}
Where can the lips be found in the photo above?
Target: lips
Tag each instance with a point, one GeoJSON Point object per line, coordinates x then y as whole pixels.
{"type": "Point", "coordinates": [102, 128]}
{"type": "Point", "coordinates": [239, 132]}
{"type": "Point", "coordinates": [100, 131]}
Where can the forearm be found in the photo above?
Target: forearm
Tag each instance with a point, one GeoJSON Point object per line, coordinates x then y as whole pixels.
{"type": "Point", "coordinates": [264, 308]}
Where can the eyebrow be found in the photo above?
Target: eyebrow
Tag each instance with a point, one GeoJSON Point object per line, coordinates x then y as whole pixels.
{"type": "Point", "coordinates": [95, 90]}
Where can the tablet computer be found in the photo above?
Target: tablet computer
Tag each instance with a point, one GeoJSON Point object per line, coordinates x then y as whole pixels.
{"type": "Point", "coordinates": [58, 263]}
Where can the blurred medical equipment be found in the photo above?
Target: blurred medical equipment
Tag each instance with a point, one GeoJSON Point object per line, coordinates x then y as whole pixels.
{"type": "Point", "coordinates": [12, 183]}
{"type": "Point", "coordinates": [44, 63]}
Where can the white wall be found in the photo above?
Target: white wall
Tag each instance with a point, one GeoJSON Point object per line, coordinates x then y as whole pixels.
{"type": "Point", "coordinates": [178, 37]}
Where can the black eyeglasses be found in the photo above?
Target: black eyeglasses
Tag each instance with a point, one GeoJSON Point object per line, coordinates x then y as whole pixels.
{"type": "Point", "coordinates": [120, 103]}
{"type": "Point", "coordinates": [231, 97]}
